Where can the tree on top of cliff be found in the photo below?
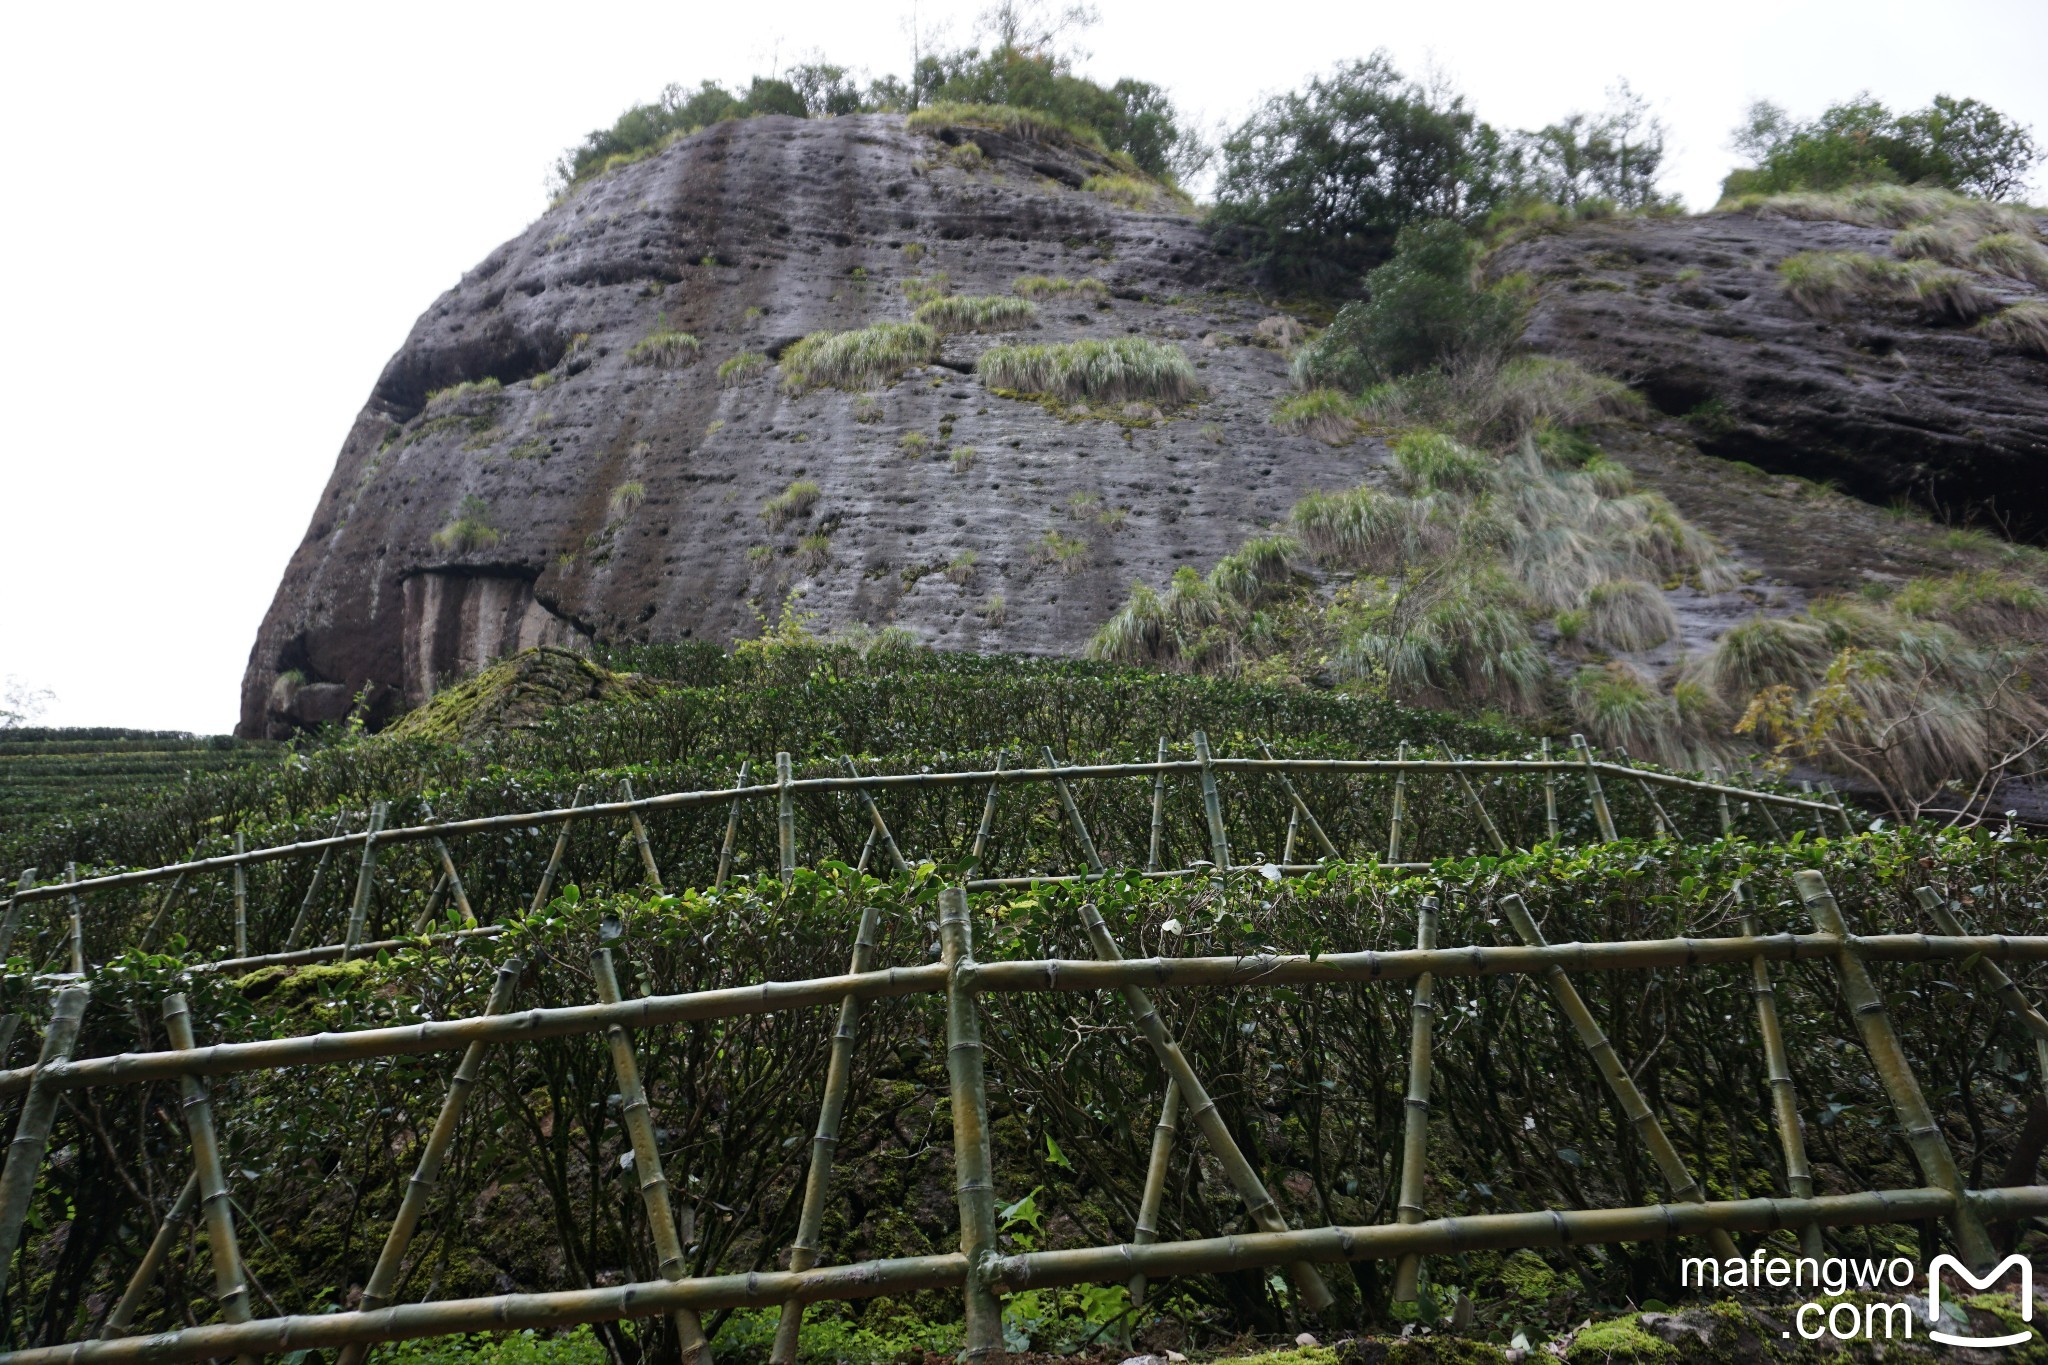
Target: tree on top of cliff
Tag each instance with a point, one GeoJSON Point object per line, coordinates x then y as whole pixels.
{"type": "Point", "coordinates": [1963, 145]}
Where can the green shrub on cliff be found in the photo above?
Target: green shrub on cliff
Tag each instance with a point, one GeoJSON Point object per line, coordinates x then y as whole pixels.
{"type": "Point", "coordinates": [860, 359]}
{"type": "Point", "coordinates": [471, 528]}
{"type": "Point", "coordinates": [1122, 369]}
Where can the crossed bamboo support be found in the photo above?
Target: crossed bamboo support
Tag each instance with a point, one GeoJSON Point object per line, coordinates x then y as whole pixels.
{"type": "Point", "coordinates": [1415, 1110]}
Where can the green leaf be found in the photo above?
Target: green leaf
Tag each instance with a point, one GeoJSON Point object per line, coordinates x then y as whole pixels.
{"type": "Point", "coordinates": [1055, 1155]}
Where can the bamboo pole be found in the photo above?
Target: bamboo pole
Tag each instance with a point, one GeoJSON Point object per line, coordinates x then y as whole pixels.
{"type": "Point", "coordinates": [230, 1287]}
{"type": "Point", "coordinates": [1400, 807]}
{"type": "Point", "coordinates": [1602, 817]}
{"type": "Point", "coordinates": [425, 918]}
{"type": "Point", "coordinates": [1664, 823]}
{"type": "Point", "coordinates": [1415, 1118]}
{"type": "Point", "coordinates": [10, 1024]}
{"type": "Point", "coordinates": [1727, 816]}
{"type": "Point", "coordinates": [241, 900]}
{"type": "Point", "coordinates": [1784, 1094]}
{"type": "Point", "coordinates": [803, 1252]}
{"type": "Point", "coordinates": [455, 882]}
{"type": "Point", "coordinates": [1923, 1134]}
{"type": "Point", "coordinates": [1158, 811]}
{"type": "Point", "coordinates": [1301, 809]}
{"type": "Point", "coordinates": [77, 922]}
{"type": "Point", "coordinates": [154, 932]}
{"type": "Point", "coordinates": [426, 1176]}
{"type": "Point", "coordinates": [1315, 1296]}
{"type": "Point", "coordinates": [639, 1121]}
{"type": "Point", "coordinates": [1549, 795]}
{"type": "Point", "coordinates": [1669, 1163]}
{"type": "Point", "coordinates": [1156, 1166]}
{"type": "Point", "coordinates": [881, 828]}
{"type": "Point", "coordinates": [1500, 845]}
{"type": "Point", "coordinates": [303, 920]}
{"type": "Point", "coordinates": [1080, 826]}
{"type": "Point", "coordinates": [1287, 843]}
{"type": "Point", "coordinates": [1842, 811]}
{"type": "Point", "coordinates": [167, 1233]}
{"type": "Point", "coordinates": [1820, 824]}
{"type": "Point", "coordinates": [988, 819]}
{"type": "Point", "coordinates": [1063, 975]}
{"type": "Point", "coordinates": [1479, 1232]}
{"type": "Point", "coordinates": [972, 1165]}
{"type": "Point", "coordinates": [640, 838]}
{"type": "Point", "coordinates": [359, 908]}
{"type": "Point", "coordinates": [12, 919]}
{"type": "Point", "coordinates": [32, 1130]}
{"type": "Point", "coordinates": [867, 847]}
{"type": "Point", "coordinates": [547, 876]}
{"type": "Point", "coordinates": [727, 795]}
{"type": "Point", "coordinates": [2003, 986]}
{"type": "Point", "coordinates": [785, 818]}
{"type": "Point", "coordinates": [732, 827]}
{"type": "Point", "coordinates": [1212, 805]}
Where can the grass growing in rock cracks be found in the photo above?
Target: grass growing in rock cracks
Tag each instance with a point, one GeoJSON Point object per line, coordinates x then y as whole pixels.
{"type": "Point", "coordinates": [1123, 369]}
{"type": "Point", "coordinates": [863, 359]}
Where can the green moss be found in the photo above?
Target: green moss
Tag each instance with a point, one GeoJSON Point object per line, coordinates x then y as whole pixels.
{"type": "Point", "coordinates": [1617, 1340]}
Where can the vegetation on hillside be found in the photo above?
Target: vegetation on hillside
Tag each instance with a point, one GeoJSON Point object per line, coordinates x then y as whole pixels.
{"type": "Point", "coordinates": [1962, 145]}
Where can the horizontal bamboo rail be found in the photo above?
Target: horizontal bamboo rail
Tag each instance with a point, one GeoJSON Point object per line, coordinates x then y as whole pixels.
{"type": "Point", "coordinates": [1036, 975]}
{"type": "Point", "coordinates": [606, 810]}
{"type": "Point", "coordinates": [871, 1279]}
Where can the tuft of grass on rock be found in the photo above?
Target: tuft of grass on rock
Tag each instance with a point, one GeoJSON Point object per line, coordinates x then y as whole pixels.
{"type": "Point", "coordinates": [470, 529]}
{"type": "Point", "coordinates": [984, 313]}
{"type": "Point", "coordinates": [2011, 254]}
{"type": "Point", "coordinates": [814, 552]}
{"type": "Point", "coordinates": [1329, 415]}
{"type": "Point", "coordinates": [1068, 554]}
{"type": "Point", "coordinates": [792, 504]}
{"type": "Point", "coordinates": [961, 569]}
{"type": "Point", "coordinates": [1627, 614]}
{"type": "Point", "coordinates": [1431, 462]}
{"type": "Point", "coordinates": [665, 349]}
{"type": "Point", "coordinates": [1059, 286]}
{"type": "Point", "coordinates": [1124, 369]}
{"type": "Point", "coordinates": [962, 459]}
{"type": "Point", "coordinates": [2022, 327]}
{"type": "Point", "coordinates": [737, 370]}
{"type": "Point", "coordinates": [914, 444]}
{"type": "Point", "coordinates": [867, 358]}
{"type": "Point", "coordinates": [627, 497]}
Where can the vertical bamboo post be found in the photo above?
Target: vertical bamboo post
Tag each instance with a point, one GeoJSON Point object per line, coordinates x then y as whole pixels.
{"type": "Point", "coordinates": [163, 911]}
{"type": "Point", "coordinates": [1158, 811]}
{"type": "Point", "coordinates": [454, 881]}
{"type": "Point", "coordinates": [1665, 824]}
{"type": "Point", "coordinates": [867, 848]}
{"type": "Point", "coordinates": [425, 918]}
{"type": "Point", "coordinates": [230, 1288]}
{"type": "Point", "coordinates": [1549, 793]}
{"type": "Point", "coordinates": [881, 828]}
{"type": "Point", "coordinates": [167, 1233]}
{"type": "Point", "coordinates": [1415, 1116]}
{"type": "Point", "coordinates": [1992, 975]}
{"type": "Point", "coordinates": [1923, 1134]}
{"type": "Point", "coordinates": [38, 1115]}
{"type": "Point", "coordinates": [803, 1253]}
{"type": "Point", "coordinates": [1212, 806]}
{"type": "Point", "coordinates": [1820, 824]}
{"type": "Point", "coordinates": [1308, 1284]}
{"type": "Point", "coordinates": [988, 821]}
{"type": "Point", "coordinates": [547, 876]}
{"type": "Point", "coordinates": [1287, 844]}
{"type": "Point", "coordinates": [1842, 811]}
{"type": "Point", "coordinates": [241, 899]}
{"type": "Point", "coordinates": [1147, 1230]}
{"type": "Point", "coordinates": [1602, 817]}
{"type": "Point", "coordinates": [426, 1176]}
{"type": "Point", "coordinates": [1400, 808]}
{"type": "Point", "coordinates": [732, 829]}
{"type": "Point", "coordinates": [359, 908]}
{"type": "Point", "coordinates": [973, 1168]}
{"type": "Point", "coordinates": [12, 919]}
{"type": "Point", "coordinates": [1670, 1164]}
{"type": "Point", "coordinates": [77, 923]}
{"type": "Point", "coordinates": [1301, 809]}
{"type": "Point", "coordinates": [305, 915]}
{"type": "Point", "coordinates": [640, 838]}
{"type": "Point", "coordinates": [661, 1218]}
{"type": "Point", "coordinates": [1500, 845]}
{"type": "Point", "coordinates": [1073, 813]}
{"type": "Point", "coordinates": [1727, 815]}
{"type": "Point", "coordinates": [785, 818]}
{"type": "Point", "coordinates": [1778, 1068]}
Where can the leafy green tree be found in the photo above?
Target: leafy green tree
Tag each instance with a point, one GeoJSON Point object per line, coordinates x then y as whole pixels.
{"type": "Point", "coordinates": [1963, 145]}
{"type": "Point", "coordinates": [1615, 155]}
{"type": "Point", "coordinates": [1317, 184]}
{"type": "Point", "coordinates": [1425, 307]}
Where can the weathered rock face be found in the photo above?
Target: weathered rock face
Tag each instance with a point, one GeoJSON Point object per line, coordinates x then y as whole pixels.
{"type": "Point", "coordinates": [1690, 312]}
{"type": "Point", "coordinates": [748, 236]}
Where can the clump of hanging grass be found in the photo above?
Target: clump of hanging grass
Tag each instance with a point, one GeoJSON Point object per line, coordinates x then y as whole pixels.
{"type": "Point", "coordinates": [2023, 327]}
{"type": "Point", "coordinates": [471, 398]}
{"type": "Point", "coordinates": [981, 313]}
{"type": "Point", "coordinates": [2010, 253]}
{"type": "Point", "coordinates": [962, 459]}
{"type": "Point", "coordinates": [914, 444]}
{"type": "Point", "coordinates": [1884, 206]}
{"type": "Point", "coordinates": [1764, 651]}
{"type": "Point", "coordinates": [1360, 528]}
{"type": "Point", "coordinates": [813, 552]}
{"type": "Point", "coordinates": [1827, 283]}
{"type": "Point", "coordinates": [919, 290]}
{"type": "Point", "coordinates": [1328, 415]}
{"type": "Point", "coordinates": [1619, 704]}
{"type": "Point", "coordinates": [665, 349]}
{"type": "Point", "coordinates": [1281, 332]}
{"type": "Point", "coordinates": [1947, 242]}
{"type": "Point", "coordinates": [1248, 574]}
{"type": "Point", "coordinates": [1627, 614]}
{"type": "Point", "coordinates": [1057, 549]}
{"type": "Point", "coordinates": [1455, 636]}
{"type": "Point", "coordinates": [867, 410]}
{"type": "Point", "coordinates": [1430, 461]}
{"type": "Point", "coordinates": [736, 370]}
{"type": "Point", "coordinates": [1136, 192]}
{"type": "Point", "coordinates": [1947, 293]}
{"type": "Point", "coordinates": [791, 504]}
{"type": "Point", "coordinates": [1030, 125]}
{"type": "Point", "coordinates": [1124, 369]}
{"type": "Point", "coordinates": [1982, 602]}
{"type": "Point", "coordinates": [470, 529]}
{"type": "Point", "coordinates": [962, 567]}
{"type": "Point", "coordinates": [867, 358]}
{"type": "Point", "coordinates": [1059, 286]}
{"type": "Point", "coordinates": [627, 497]}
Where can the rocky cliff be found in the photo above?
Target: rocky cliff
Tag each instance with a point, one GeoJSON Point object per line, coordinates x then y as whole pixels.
{"type": "Point", "coordinates": [546, 462]}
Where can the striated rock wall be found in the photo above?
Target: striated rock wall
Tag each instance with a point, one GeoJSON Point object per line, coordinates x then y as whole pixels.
{"type": "Point", "coordinates": [748, 236]}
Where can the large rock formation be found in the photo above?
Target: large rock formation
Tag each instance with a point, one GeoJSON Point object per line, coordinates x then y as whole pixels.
{"type": "Point", "coordinates": [748, 236]}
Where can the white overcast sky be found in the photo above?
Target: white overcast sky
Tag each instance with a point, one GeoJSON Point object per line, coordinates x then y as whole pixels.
{"type": "Point", "coordinates": [219, 222]}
